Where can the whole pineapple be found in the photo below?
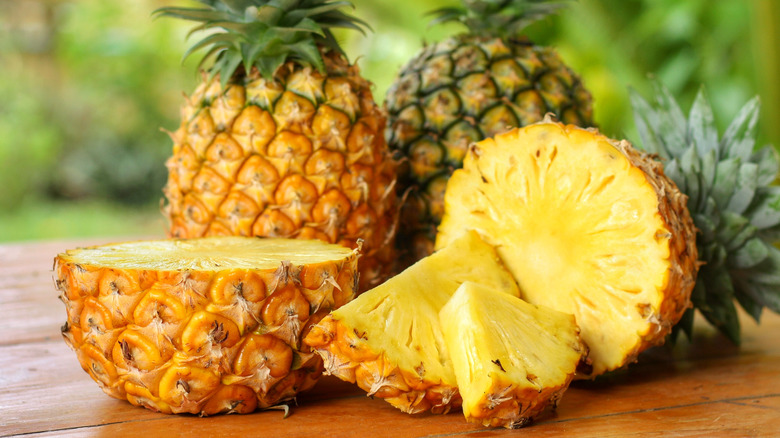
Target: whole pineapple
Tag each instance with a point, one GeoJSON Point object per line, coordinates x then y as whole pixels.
{"type": "Point", "coordinates": [467, 88]}
{"type": "Point", "coordinates": [732, 199]}
{"type": "Point", "coordinates": [282, 138]}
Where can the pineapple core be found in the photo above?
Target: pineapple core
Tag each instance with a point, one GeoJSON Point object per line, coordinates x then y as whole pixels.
{"type": "Point", "coordinates": [511, 358]}
{"type": "Point", "coordinates": [388, 340]}
{"type": "Point", "coordinates": [587, 226]}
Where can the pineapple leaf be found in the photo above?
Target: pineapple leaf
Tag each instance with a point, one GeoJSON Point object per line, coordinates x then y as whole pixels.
{"type": "Point", "coordinates": [671, 125]}
{"type": "Point", "coordinates": [685, 325]}
{"type": "Point", "coordinates": [226, 66]}
{"type": "Point", "coordinates": [701, 125]}
{"type": "Point", "coordinates": [491, 18]}
{"type": "Point", "coordinates": [764, 211]}
{"type": "Point", "coordinates": [646, 120]}
{"type": "Point", "coordinates": [732, 201]}
{"type": "Point", "coordinates": [745, 188]}
{"type": "Point", "coordinates": [723, 180]}
{"type": "Point", "coordinates": [739, 138]}
{"type": "Point", "coordinates": [718, 307]}
{"type": "Point", "coordinates": [751, 305]}
{"type": "Point", "coordinates": [265, 33]}
{"type": "Point", "coordinates": [753, 252]}
{"type": "Point", "coordinates": [216, 39]}
{"type": "Point", "coordinates": [768, 165]}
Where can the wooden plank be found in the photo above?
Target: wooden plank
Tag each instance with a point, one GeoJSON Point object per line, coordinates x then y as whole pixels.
{"type": "Point", "coordinates": [31, 313]}
{"type": "Point", "coordinates": [704, 387]}
{"type": "Point", "coordinates": [44, 381]}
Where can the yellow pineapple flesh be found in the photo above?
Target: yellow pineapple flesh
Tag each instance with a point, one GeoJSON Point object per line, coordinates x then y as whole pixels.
{"type": "Point", "coordinates": [202, 326]}
{"type": "Point", "coordinates": [511, 359]}
{"type": "Point", "coordinates": [388, 340]}
{"type": "Point", "coordinates": [587, 226]}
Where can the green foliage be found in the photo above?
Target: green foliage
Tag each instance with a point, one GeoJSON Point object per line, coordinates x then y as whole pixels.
{"type": "Point", "coordinates": [86, 107]}
{"type": "Point", "coordinates": [491, 18]}
{"type": "Point", "coordinates": [264, 34]}
{"type": "Point", "coordinates": [734, 205]}
{"type": "Point", "coordinates": [86, 85]}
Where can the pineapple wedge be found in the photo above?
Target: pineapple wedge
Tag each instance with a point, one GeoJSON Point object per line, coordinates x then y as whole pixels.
{"type": "Point", "coordinates": [388, 340]}
{"type": "Point", "coordinates": [587, 225]}
{"type": "Point", "coordinates": [511, 358]}
{"type": "Point", "coordinates": [202, 326]}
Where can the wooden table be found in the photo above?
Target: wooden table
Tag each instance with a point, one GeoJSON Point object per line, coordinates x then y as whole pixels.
{"type": "Point", "coordinates": [706, 387]}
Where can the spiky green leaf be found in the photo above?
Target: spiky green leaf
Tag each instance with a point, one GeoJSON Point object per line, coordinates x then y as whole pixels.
{"type": "Point", "coordinates": [739, 138]}
{"type": "Point", "coordinates": [732, 201]}
{"type": "Point", "coordinates": [768, 165]}
{"type": "Point", "coordinates": [264, 34]}
{"type": "Point", "coordinates": [764, 211]}
{"type": "Point", "coordinates": [701, 126]}
{"type": "Point", "coordinates": [491, 18]}
{"type": "Point", "coordinates": [745, 188]}
{"type": "Point", "coordinates": [753, 252]}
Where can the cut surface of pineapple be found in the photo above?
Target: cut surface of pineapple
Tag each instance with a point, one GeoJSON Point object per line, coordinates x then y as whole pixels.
{"type": "Point", "coordinates": [202, 326]}
{"type": "Point", "coordinates": [511, 358]}
{"type": "Point", "coordinates": [587, 226]}
{"type": "Point", "coordinates": [389, 341]}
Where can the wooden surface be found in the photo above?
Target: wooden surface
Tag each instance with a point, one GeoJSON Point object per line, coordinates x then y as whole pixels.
{"type": "Point", "coordinates": [706, 387]}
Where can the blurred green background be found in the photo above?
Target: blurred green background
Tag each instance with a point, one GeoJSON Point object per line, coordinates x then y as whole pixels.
{"type": "Point", "coordinates": [88, 87]}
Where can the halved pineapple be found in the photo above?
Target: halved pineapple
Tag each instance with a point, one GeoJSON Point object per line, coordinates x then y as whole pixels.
{"type": "Point", "coordinates": [511, 358]}
{"type": "Point", "coordinates": [388, 340]}
{"type": "Point", "coordinates": [205, 325]}
{"type": "Point", "coordinates": [587, 226]}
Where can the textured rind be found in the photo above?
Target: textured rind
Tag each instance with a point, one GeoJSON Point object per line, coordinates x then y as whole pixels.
{"type": "Point", "coordinates": [376, 375]}
{"type": "Point", "coordinates": [459, 91]}
{"type": "Point", "coordinates": [299, 156]}
{"type": "Point", "coordinates": [683, 255]}
{"type": "Point", "coordinates": [684, 264]}
{"type": "Point", "coordinates": [516, 407]}
{"type": "Point", "coordinates": [200, 342]}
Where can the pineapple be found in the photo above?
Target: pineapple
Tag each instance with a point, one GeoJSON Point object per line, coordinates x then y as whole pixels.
{"type": "Point", "coordinates": [388, 340]}
{"type": "Point", "coordinates": [467, 88]}
{"type": "Point", "coordinates": [511, 359]}
{"type": "Point", "coordinates": [587, 225]}
{"type": "Point", "coordinates": [282, 137]}
{"type": "Point", "coordinates": [204, 325]}
{"type": "Point", "coordinates": [732, 200]}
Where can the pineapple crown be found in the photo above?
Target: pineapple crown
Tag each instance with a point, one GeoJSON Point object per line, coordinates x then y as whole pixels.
{"type": "Point", "coordinates": [731, 199]}
{"type": "Point", "coordinates": [497, 18]}
{"type": "Point", "coordinates": [264, 33]}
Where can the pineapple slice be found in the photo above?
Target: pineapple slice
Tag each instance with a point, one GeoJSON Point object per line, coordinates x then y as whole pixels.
{"type": "Point", "coordinates": [202, 326]}
{"type": "Point", "coordinates": [587, 225]}
{"type": "Point", "coordinates": [511, 358]}
{"type": "Point", "coordinates": [389, 341]}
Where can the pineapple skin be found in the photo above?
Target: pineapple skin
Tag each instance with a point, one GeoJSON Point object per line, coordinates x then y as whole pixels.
{"type": "Point", "coordinates": [299, 156]}
{"type": "Point", "coordinates": [679, 233]}
{"type": "Point", "coordinates": [460, 91]}
{"type": "Point", "coordinates": [365, 343]}
{"type": "Point", "coordinates": [200, 341]}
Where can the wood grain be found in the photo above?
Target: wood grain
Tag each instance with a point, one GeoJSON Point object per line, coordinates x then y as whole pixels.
{"type": "Point", "coordinates": [705, 387]}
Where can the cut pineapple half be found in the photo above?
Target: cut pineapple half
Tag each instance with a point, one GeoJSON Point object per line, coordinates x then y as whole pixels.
{"type": "Point", "coordinates": [389, 341]}
{"type": "Point", "coordinates": [587, 225]}
{"type": "Point", "coordinates": [202, 326]}
{"type": "Point", "coordinates": [511, 358]}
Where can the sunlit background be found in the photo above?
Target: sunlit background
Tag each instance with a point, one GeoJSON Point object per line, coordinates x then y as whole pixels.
{"type": "Point", "coordinates": [88, 88]}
